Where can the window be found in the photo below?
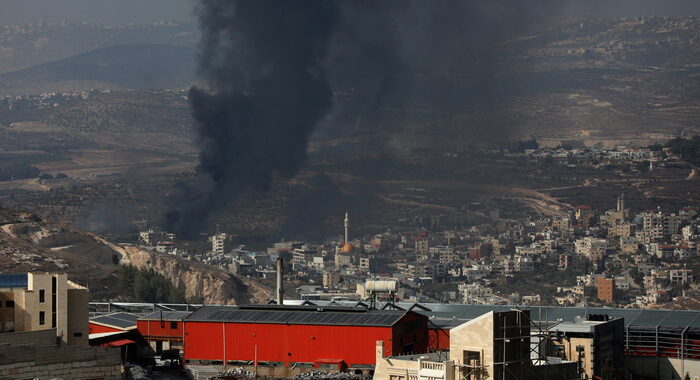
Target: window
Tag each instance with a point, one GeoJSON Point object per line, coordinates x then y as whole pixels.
{"type": "Point", "coordinates": [53, 302]}
{"type": "Point", "coordinates": [173, 325]}
{"type": "Point", "coordinates": [42, 295]}
{"type": "Point", "coordinates": [471, 357]}
{"type": "Point", "coordinates": [77, 334]}
{"type": "Point", "coordinates": [42, 318]}
{"type": "Point", "coordinates": [9, 303]}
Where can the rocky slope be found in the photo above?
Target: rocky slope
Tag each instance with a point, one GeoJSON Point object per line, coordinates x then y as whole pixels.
{"type": "Point", "coordinates": [29, 244]}
{"type": "Point", "coordinates": [213, 285]}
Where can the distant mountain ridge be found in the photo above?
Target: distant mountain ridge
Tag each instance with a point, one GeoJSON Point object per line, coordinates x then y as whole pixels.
{"type": "Point", "coordinates": [155, 66]}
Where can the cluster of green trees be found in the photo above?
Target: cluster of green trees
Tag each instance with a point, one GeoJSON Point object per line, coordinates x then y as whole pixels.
{"type": "Point", "coordinates": [148, 286]}
{"type": "Point", "coordinates": [688, 149]}
{"type": "Point", "coordinates": [16, 170]}
{"type": "Point", "coordinates": [20, 166]}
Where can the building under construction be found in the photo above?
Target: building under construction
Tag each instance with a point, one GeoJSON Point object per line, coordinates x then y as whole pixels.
{"type": "Point", "coordinates": [496, 345]}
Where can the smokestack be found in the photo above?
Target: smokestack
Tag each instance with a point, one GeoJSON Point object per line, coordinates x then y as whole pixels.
{"type": "Point", "coordinates": [280, 289]}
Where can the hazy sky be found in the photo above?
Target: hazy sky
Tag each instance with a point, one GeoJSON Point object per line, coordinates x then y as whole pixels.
{"type": "Point", "coordinates": [611, 8]}
{"type": "Point", "coordinates": [147, 11]}
{"type": "Point", "coordinates": [103, 11]}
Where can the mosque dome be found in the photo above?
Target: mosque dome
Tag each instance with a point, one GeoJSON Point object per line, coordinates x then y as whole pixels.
{"type": "Point", "coordinates": [347, 247]}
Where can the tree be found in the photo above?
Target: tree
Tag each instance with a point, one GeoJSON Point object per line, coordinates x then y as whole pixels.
{"type": "Point", "coordinates": [688, 149]}
{"type": "Point", "coordinates": [14, 170]}
{"type": "Point", "coordinates": [656, 147]}
{"type": "Point", "coordinates": [527, 144]}
{"type": "Point", "coordinates": [146, 285]}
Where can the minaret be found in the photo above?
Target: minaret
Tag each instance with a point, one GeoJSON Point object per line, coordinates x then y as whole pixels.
{"type": "Point", "coordinates": [347, 226]}
{"type": "Point", "coordinates": [622, 204]}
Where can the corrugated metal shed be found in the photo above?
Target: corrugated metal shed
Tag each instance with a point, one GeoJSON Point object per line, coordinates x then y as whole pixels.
{"type": "Point", "coordinates": [297, 316]}
{"type": "Point", "coordinates": [12, 280]}
{"type": "Point", "coordinates": [633, 317]}
{"type": "Point", "coordinates": [166, 316]}
{"type": "Point", "coordinates": [118, 320]}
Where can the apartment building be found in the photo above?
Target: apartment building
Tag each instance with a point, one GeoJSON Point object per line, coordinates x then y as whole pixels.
{"type": "Point", "coordinates": [594, 249]}
{"type": "Point", "coordinates": [680, 276]}
{"type": "Point", "coordinates": [40, 301]}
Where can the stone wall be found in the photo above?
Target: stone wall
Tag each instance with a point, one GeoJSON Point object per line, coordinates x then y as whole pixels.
{"type": "Point", "coordinates": [662, 368]}
{"type": "Point", "coordinates": [29, 361]}
{"type": "Point", "coordinates": [39, 337]}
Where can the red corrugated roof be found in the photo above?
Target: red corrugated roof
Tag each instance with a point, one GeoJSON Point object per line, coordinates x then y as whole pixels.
{"type": "Point", "coordinates": [118, 343]}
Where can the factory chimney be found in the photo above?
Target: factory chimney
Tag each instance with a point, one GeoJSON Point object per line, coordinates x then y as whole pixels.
{"type": "Point", "coordinates": [280, 289]}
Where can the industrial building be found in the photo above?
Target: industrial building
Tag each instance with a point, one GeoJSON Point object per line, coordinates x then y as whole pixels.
{"type": "Point", "coordinates": [111, 323]}
{"type": "Point", "coordinates": [439, 333]}
{"type": "Point", "coordinates": [311, 336]}
{"type": "Point", "coordinates": [657, 343]}
{"type": "Point", "coordinates": [163, 330]}
{"type": "Point", "coordinates": [641, 343]}
{"type": "Point", "coordinates": [496, 345]}
{"type": "Point", "coordinates": [595, 343]}
{"type": "Point", "coordinates": [116, 330]}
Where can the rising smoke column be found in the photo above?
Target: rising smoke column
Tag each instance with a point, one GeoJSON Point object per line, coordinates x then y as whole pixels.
{"type": "Point", "coordinates": [267, 91]}
{"type": "Point", "coordinates": [270, 66]}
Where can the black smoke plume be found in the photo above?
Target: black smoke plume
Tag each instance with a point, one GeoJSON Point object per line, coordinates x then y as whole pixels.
{"type": "Point", "coordinates": [276, 68]}
{"type": "Point", "coordinates": [267, 90]}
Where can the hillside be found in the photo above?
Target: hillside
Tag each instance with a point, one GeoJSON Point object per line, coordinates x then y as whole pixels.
{"type": "Point", "coordinates": [131, 155]}
{"type": "Point", "coordinates": [29, 244]}
{"type": "Point", "coordinates": [23, 46]}
{"type": "Point", "coordinates": [153, 66]}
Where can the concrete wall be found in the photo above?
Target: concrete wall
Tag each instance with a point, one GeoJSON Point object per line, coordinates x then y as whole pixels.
{"type": "Point", "coordinates": [661, 368]}
{"type": "Point", "coordinates": [475, 335]}
{"type": "Point", "coordinates": [20, 296]}
{"type": "Point", "coordinates": [7, 314]}
{"type": "Point", "coordinates": [78, 318]}
{"type": "Point", "coordinates": [62, 308]}
{"type": "Point", "coordinates": [40, 338]}
{"type": "Point", "coordinates": [390, 368]}
{"type": "Point", "coordinates": [66, 362]}
{"type": "Point", "coordinates": [587, 355]}
{"type": "Point", "coordinates": [554, 371]}
{"type": "Point", "coordinates": [37, 283]}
